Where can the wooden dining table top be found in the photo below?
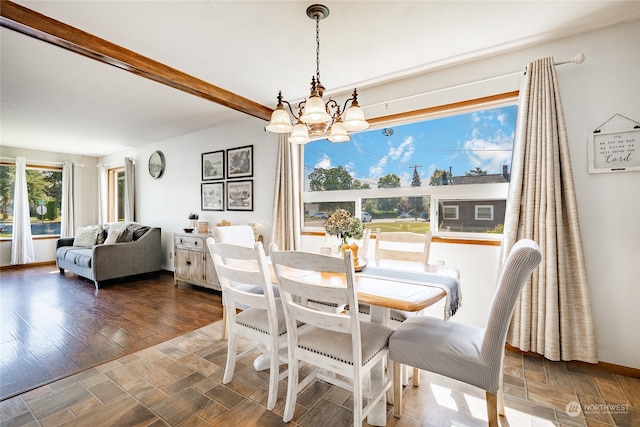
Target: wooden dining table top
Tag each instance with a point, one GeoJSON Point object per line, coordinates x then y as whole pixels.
{"type": "Point", "coordinates": [385, 292]}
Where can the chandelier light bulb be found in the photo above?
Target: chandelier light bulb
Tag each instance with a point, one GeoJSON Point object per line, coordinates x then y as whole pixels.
{"type": "Point", "coordinates": [338, 133]}
{"type": "Point", "coordinates": [299, 135]}
{"type": "Point", "coordinates": [280, 121]}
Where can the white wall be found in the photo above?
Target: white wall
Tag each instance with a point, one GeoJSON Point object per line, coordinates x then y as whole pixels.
{"type": "Point", "coordinates": [609, 204]}
{"type": "Point", "coordinates": [166, 202]}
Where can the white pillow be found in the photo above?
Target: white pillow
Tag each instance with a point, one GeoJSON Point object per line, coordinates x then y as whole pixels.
{"type": "Point", "coordinates": [86, 236]}
{"type": "Point", "coordinates": [115, 230]}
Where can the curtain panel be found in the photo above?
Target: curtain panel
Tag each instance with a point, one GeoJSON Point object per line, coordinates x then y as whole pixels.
{"type": "Point", "coordinates": [553, 315]}
{"type": "Point", "coordinates": [67, 226]}
{"type": "Point", "coordinates": [103, 195]}
{"type": "Point", "coordinates": [21, 242]}
{"type": "Point", "coordinates": [129, 189]}
{"type": "Point", "coordinates": [286, 203]}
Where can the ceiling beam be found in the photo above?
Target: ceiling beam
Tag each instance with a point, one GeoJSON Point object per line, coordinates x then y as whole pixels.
{"type": "Point", "coordinates": [34, 24]}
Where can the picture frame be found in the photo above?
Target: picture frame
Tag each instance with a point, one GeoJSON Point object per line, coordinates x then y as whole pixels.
{"type": "Point", "coordinates": [213, 165]}
{"type": "Point", "coordinates": [240, 195]}
{"type": "Point", "coordinates": [212, 196]}
{"type": "Point", "coordinates": [614, 152]}
{"type": "Point", "coordinates": [240, 162]}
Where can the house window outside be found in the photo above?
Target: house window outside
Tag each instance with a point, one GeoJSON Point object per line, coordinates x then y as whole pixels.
{"type": "Point", "coordinates": [401, 177]}
{"type": "Point", "coordinates": [451, 212]}
{"type": "Point", "coordinates": [484, 212]}
{"type": "Point", "coordinates": [44, 190]}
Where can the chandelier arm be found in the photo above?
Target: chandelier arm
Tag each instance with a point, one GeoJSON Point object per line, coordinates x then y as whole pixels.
{"type": "Point", "coordinates": [344, 108]}
{"type": "Point", "coordinates": [290, 109]}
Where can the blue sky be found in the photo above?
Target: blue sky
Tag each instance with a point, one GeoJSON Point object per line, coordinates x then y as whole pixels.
{"type": "Point", "coordinates": [462, 142]}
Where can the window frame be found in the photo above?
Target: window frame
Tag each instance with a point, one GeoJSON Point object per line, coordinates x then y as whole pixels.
{"type": "Point", "coordinates": [478, 192]}
{"type": "Point", "coordinates": [38, 167]}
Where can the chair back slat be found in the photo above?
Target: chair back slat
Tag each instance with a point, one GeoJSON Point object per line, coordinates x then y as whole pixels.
{"type": "Point", "coordinates": [403, 245]}
{"type": "Point", "coordinates": [301, 298]}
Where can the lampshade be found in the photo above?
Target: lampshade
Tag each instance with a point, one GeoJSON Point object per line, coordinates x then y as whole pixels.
{"type": "Point", "coordinates": [315, 111]}
{"type": "Point", "coordinates": [354, 118]}
{"type": "Point", "coordinates": [338, 133]}
{"type": "Point", "coordinates": [299, 135]}
{"type": "Point", "coordinates": [280, 121]}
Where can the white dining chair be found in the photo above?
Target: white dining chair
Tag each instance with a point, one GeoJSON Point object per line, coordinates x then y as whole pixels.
{"type": "Point", "coordinates": [335, 342]}
{"type": "Point", "coordinates": [238, 235]}
{"type": "Point", "coordinates": [463, 352]}
{"type": "Point", "coordinates": [261, 320]}
{"type": "Point", "coordinates": [402, 246]}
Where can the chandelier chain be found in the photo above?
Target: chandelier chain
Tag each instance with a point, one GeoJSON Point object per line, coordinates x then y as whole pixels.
{"type": "Point", "coordinates": [318, 48]}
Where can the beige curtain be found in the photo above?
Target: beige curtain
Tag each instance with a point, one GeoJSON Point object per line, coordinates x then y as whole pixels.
{"type": "Point", "coordinates": [67, 223]}
{"type": "Point", "coordinates": [286, 202]}
{"type": "Point", "coordinates": [129, 189]}
{"type": "Point", "coordinates": [553, 315]}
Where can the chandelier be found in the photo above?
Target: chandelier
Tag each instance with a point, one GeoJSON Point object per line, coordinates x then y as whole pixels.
{"type": "Point", "coordinates": [315, 116]}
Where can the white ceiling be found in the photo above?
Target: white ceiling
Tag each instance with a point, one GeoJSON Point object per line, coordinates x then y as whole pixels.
{"type": "Point", "coordinates": [56, 100]}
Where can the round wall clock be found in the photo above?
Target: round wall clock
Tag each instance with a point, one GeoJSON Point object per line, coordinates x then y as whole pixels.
{"type": "Point", "coordinates": [156, 164]}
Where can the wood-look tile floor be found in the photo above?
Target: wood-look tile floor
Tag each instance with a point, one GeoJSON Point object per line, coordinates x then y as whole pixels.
{"type": "Point", "coordinates": [178, 383]}
{"type": "Point", "coordinates": [53, 325]}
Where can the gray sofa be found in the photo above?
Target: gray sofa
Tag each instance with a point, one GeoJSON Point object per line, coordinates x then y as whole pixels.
{"type": "Point", "coordinates": [138, 252]}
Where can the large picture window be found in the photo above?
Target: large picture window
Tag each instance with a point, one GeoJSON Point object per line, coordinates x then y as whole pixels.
{"type": "Point", "coordinates": [408, 176]}
{"type": "Point", "coordinates": [44, 189]}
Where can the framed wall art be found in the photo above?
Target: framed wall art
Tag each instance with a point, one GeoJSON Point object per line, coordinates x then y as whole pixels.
{"type": "Point", "coordinates": [240, 195]}
{"type": "Point", "coordinates": [615, 152]}
{"type": "Point", "coordinates": [212, 196]}
{"type": "Point", "coordinates": [213, 165]}
{"type": "Point", "coordinates": [240, 162]}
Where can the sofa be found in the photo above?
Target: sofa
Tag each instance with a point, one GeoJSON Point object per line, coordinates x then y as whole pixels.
{"type": "Point", "coordinates": [110, 251]}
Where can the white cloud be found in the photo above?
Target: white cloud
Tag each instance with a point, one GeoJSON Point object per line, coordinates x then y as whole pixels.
{"type": "Point", "coordinates": [323, 163]}
{"type": "Point", "coordinates": [490, 154]}
{"type": "Point", "coordinates": [404, 151]}
{"type": "Point", "coordinates": [377, 170]}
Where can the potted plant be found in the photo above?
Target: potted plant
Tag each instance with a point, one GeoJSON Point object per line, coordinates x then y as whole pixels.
{"type": "Point", "coordinates": [193, 219]}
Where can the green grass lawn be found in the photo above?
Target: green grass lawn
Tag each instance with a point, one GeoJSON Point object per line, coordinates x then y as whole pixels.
{"type": "Point", "coordinates": [404, 225]}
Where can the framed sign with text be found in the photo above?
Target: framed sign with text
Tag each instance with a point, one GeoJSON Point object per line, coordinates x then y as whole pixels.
{"type": "Point", "coordinates": [615, 152]}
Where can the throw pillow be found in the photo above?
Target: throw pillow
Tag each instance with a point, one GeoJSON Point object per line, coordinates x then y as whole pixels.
{"type": "Point", "coordinates": [102, 234]}
{"type": "Point", "coordinates": [86, 236]}
{"type": "Point", "coordinates": [115, 230]}
{"type": "Point", "coordinates": [126, 235]}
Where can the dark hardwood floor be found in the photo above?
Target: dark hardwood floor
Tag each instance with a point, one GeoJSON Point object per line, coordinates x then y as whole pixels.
{"type": "Point", "coordinates": [54, 325]}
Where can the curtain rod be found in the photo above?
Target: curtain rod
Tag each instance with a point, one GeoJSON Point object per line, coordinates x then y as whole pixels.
{"type": "Point", "coordinates": [44, 162]}
{"type": "Point", "coordinates": [577, 59]}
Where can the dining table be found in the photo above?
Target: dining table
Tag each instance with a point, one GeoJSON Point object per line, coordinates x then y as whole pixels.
{"type": "Point", "coordinates": [385, 285]}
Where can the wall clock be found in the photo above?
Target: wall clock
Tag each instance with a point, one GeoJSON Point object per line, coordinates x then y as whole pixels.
{"type": "Point", "coordinates": [156, 164]}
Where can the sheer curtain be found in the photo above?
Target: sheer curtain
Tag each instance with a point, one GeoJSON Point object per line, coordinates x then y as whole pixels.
{"type": "Point", "coordinates": [67, 226]}
{"type": "Point", "coordinates": [103, 195]}
{"type": "Point", "coordinates": [553, 315]}
{"type": "Point", "coordinates": [129, 190]}
{"type": "Point", "coordinates": [286, 203]}
{"type": "Point", "coordinates": [21, 243]}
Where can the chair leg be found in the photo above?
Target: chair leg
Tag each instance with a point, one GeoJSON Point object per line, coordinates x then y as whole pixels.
{"type": "Point", "coordinates": [274, 375]}
{"type": "Point", "coordinates": [397, 389]}
{"type": "Point", "coordinates": [231, 358]}
{"type": "Point", "coordinates": [501, 402]}
{"type": "Point", "coordinates": [416, 377]}
{"type": "Point", "coordinates": [492, 409]}
{"type": "Point", "coordinates": [292, 389]}
{"type": "Point", "coordinates": [224, 324]}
